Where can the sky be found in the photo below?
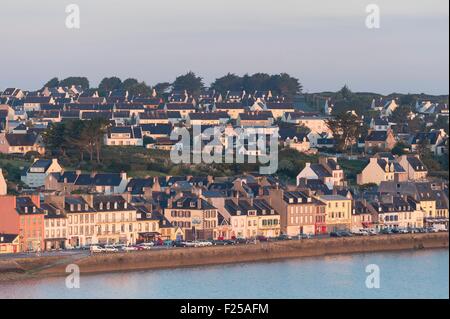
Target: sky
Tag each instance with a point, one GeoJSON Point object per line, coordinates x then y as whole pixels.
{"type": "Point", "coordinates": [324, 43]}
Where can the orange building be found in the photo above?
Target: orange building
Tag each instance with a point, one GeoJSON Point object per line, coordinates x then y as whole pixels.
{"type": "Point", "coordinates": [22, 215]}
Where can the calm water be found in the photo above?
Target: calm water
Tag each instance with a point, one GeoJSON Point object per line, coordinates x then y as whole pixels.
{"type": "Point", "coordinates": [421, 274]}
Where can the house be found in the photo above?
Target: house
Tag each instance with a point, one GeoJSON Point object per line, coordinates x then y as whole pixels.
{"type": "Point", "coordinates": [433, 140]}
{"type": "Point", "coordinates": [255, 119]}
{"type": "Point", "coordinates": [413, 166]}
{"type": "Point", "coordinates": [249, 218]}
{"type": "Point", "coordinates": [156, 131]}
{"type": "Point", "coordinates": [207, 118]}
{"type": "Point", "coordinates": [234, 96]}
{"type": "Point", "coordinates": [9, 243]}
{"type": "Point", "coordinates": [232, 108]}
{"type": "Point", "coordinates": [33, 103]}
{"type": "Point", "coordinates": [300, 213]}
{"type": "Point", "coordinates": [278, 109]}
{"type": "Point", "coordinates": [338, 212]}
{"type": "Point", "coordinates": [385, 106]}
{"type": "Point", "coordinates": [379, 170]}
{"type": "Point", "coordinates": [22, 215]}
{"type": "Point", "coordinates": [315, 122]}
{"type": "Point", "coordinates": [397, 212]}
{"type": "Point", "coordinates": [327, 170]}
{"type": "Point", "coordinates": [427, 195]}
{"type": "Point", "coordinates": [379, 141]}
{"type": "Point", "coordinates": [3, 185]}
{"type": "Point", "coordinates": [36, 174]}
{"type": "Point", "coordinates": [362, 215]}
{"type": "Point", "coordinates": [379, 124]}
{"type": "Point", "coordinates": [124, 136]}
{"type": "Point", "coordinates": [55, 227]}
{"type": "Point", "coordinates": [105, 183]}
{"type": "Point", "coordinates": [195, 216]}
{"type": "Point", "coordinates": [21, 143]}
{"type": "Point", "coordinates": [13, 93]}
{"type": "Point", "coordinates": [291, 138]}
{"type": "Point", "coordinates": [183, 108]}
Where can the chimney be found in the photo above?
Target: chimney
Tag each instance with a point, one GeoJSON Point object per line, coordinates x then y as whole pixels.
{"type": "Point", "coordinates": [93, 173]}
{"type": "Point", "coordinates": [78, 172]}
{"type": "Point", "coordinates": [123, 175]}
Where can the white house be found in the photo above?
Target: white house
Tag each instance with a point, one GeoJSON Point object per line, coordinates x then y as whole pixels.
{"type": "Point", "coordinates": [38, 171]}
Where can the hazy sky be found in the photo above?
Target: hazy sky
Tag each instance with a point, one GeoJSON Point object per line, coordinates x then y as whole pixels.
{"type": "Point", "coordinates": [324, 43]}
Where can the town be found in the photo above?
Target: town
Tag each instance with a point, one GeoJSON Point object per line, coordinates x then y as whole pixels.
{"type": "Point", "coordinates": [90, 168]}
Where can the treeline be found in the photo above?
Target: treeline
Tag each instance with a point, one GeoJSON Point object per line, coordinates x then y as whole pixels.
{"type": "Point", "coordinates": [76, 137]}
{"type": "Point", "coordinates": [279, 84]}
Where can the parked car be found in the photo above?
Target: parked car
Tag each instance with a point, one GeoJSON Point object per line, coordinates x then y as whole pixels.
{"type": "Point", "coordinates": [335, 234]}
{"type": "Point", "coordinates": [262, 238]}
{"type": "Point", "coordinates": [110, 249]}
{"type": "Point", "coordinates": [167, 242]}
{"type": "Point", "coordinates": [97, 249]}
{"type": "Point", "coordinates": [146, 246]}
{"type": "Point", "coordinates": [283, 237]}
{"type": "Point", "coordinates": [240, 240]}
{"type": "Point", "coordinates": [385, 231]}
{"type": "Point", "coordinates": [179, 243]}
{"type": "Point", "coordinates": [345, 233]}
{"type": "Point", "coordinates": [130, 248]}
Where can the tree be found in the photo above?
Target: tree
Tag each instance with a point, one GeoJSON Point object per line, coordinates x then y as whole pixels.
{"type": "Point", "coordinates": [189, 82]}
{"type": "Point", "coordinates": [345, 92]}
{"type": "Point", "coordinates": [75, 80]}
{"type": "Point", "coordinates": [54, 137]}
{"type": "Point", "coordinates": [129, 83]}
{"type": "Point", "coordinates": [285, 85]}
{"type": "Point", "coordinates": [229, 82]}
{"type": "Point", "coordinates": [92, 136]}
{"type": "Point", "coordinates": [140, 89]}
{"type": "Point", "coordinates": [109, 84]}
{"type": "Point", "coordinates": [162, 87]}
{"type": "Point", "coordinates": [399, 148]}
{"type": "Point", "coordinates": [52, 83]}
{"type": "Point", "coordinates": [401, 114]}
{"type": "Point", "coordinates": [346, 129]}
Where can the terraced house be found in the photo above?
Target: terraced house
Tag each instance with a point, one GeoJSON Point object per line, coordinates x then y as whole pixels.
{"type": "Point", "coordinates": [249, 217]}
{"type": "Point", "coordinates": [24, 217]}
{"type": "Point", "coordinates": [195, 216]}
{"type": "Point", "coordinates": [397, 212]}
{"type": "Point", "coordinates": [338, 212]}
{"type": "Point", "coordinates": [300, 213]}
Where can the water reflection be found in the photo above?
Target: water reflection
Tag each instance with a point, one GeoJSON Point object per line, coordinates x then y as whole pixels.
{"type": "Point", "coordinates": [419, 274]}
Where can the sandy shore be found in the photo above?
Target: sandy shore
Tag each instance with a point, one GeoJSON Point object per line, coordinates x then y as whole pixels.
{"type": "Point", "coordinates": [38, 267]}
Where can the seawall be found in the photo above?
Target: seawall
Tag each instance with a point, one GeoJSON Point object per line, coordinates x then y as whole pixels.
{"type": "Point", "coordinates": [185, 257]}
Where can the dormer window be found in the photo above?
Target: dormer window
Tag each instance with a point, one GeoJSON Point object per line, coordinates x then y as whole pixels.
{"type": "Point", "coordinates": [179, 204]}
{"type": "Point", "coordinates": [115, 205]}
{"type": "Point", "coordinates": [192, 204]}
{"type": "Point", "coordinates": [72, 208]}
{"type": "Point", "coordinates": [86, 207]}
{"type": "Point", "coordinates": [291, 200]}
{"type": "Point", "coordinates": [108, 205]}
{"type": "Point", "coordinates": [79, 207]}
{"type": "Point", "coordinates": [125, 205]}
{"type": "Point", "coordinates": [26, 210]}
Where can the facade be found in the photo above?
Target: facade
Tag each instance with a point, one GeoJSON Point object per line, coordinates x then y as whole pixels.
{"type": "Point", "coordinates": [379, 141]}
{"type": "Point", "coordinates": [38, 171]}
{"type": "Point", "coordinates": [23, 216]}
{"type": "Point", "coordinates": [414, 167]}
{"type": "Point", "coordinates": [21, 143]}
{"type": "Point", "coordinates": [338, 212]}
{"type": "Point", "coordinates": [379, 170]}
{"type": "Point", "coordinates": [124, 136]}
{"type": "Point", "coordinates": [195, 216]}
{"type": "Point", "coordinates": [249, 218]}
{"type": "Point", "coordinates": [327, 170]}
{"type": "Point", "coordinates": [299, 212]}
{"type": "Point", "coordinates": [9, 243]}
{"type": "Point", "coordinates": [397, 212]}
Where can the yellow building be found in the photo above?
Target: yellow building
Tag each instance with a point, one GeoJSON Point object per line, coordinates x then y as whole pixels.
{"type": "Point", "coordinates": [9, 243]}
{"type": "Point", "coordinates": [338, 212]}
